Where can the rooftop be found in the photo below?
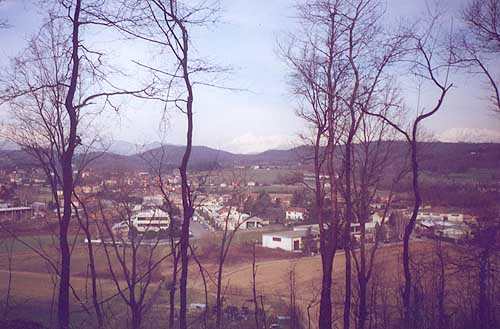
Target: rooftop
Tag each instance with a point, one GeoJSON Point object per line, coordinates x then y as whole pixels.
{"type": "Point", "coordinates": [288, 234]}
{"type": "Point", "coordinates": [15, 209]}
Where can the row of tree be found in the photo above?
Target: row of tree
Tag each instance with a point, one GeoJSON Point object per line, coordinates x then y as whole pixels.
{"type": "Point", "coordinates": [345, 68]}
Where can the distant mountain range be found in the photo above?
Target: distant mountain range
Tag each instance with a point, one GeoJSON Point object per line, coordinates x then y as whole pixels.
{"type": "Point", "coordinates": [435, 157]}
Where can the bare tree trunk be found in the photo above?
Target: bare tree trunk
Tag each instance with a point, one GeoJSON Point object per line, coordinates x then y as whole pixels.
{"type": "Point", "coordinates": [219, 301]}
{"type": "Point", "coordinates": [186, 194]}
{"type": "Point", "coordinates": [9, 248]}
{"type": "Point", "coordinates": [172, 289]}
{"type": "Point", "coordinates": [362, 281]}
{"type": "Point", "coordinates": [408, 231]}
{"type": "Point", "coordinates": [325, 307]}
{"type": "Point", "coordinates": [263, 311]}
{"type": "Point", "coordinates": [293, 298]}
{"type": "Point", "coordinates": [254, 290]}
{"type": "Point", "coordinates": [362, 270]}
{"type": "Point", "coordinates": [348, 217]}
{"type": "Point", "coordinates": [90, 251]}
{"type": "Point", "coordinates": [329, 237]}
{"type": "Point", "coordinates": [136, 317]}
{"type": "Point", "coordinates": [483, 303]}
{"type": "Point", "coordinates": [93, 277]}
{"type": "Point", "coordinates": [442, 286]}
{"type": "Point", "coordinates": [67, 174]}
{"type": "Point", "coordinates": [227, 238]}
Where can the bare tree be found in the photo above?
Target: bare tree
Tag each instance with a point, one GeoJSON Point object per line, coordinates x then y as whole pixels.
{"type": "Point", "coordinates": [372, 156]}
{"type": "Point", "coordinates": [84, 220]}
{"type": "Point", "coordinates": [138, 261]}
{"type": "Point", "coordinates": [166, 25]}
{"type": "Point", "coordinates": [316, 79]}
{"type": "Point", "coordinates": [156, 161]}
{"type": "Point", "coordinates": [427, 66]}
{"type": "Point", "coordinates": [34, 131]}
{"type": "Point", "coordinates": [50, 95]}
{"type": "Point", "coordinates": [339, 69]}
{"type": "Point", "coordinates": [478, 260]}
{"type": "Point", "coordinates": [371, 52]}
{"type": "Point", "coordinates": [9, 250]}
{"type": "Point", "coordinates": [254, 290]}
{"type": "Point", "coordinates": [229, 231]}
{"type": "Point", "coordinates": [477, 46]}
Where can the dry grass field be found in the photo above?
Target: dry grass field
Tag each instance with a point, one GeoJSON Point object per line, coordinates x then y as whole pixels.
{"type": "Point", "coordinates": [31, 282]}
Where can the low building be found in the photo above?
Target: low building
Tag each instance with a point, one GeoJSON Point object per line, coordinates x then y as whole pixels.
{"type": "Point", "coordinates": [288, 240]}
{"type": "Point", "coordinates": [444, 229]}
{"type": "Point", "coordinates": [151, 220]}
{"type": "Point", "coordinates": [370, 228]}
{"type": "Point", "coordinates": [295, 214]}
{"type": "Point", "coordinates": [254, 222]}
{"type": "Point", "coordinates": [153, 200]}
{"type": "Point", "coordinates": [16, 213]}
{"type": "Point", "coordinates": [284, 199]}
{"type": "Point", "coordinates": [428, 214]}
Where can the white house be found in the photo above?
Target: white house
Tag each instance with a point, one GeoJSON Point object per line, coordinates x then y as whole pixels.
{"type": "Point", "coordinates": [288, 240]}
{"type": "Point", "coordinates": [295, 213]}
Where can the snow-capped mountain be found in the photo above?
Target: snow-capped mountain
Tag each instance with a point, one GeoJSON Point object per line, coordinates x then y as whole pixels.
{"type": "Point", "coordinates": [470, 135]}
{"type": "Point", "coordinates": [251, 144]}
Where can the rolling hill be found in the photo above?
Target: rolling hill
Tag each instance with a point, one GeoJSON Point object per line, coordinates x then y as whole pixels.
{"type": "Point", "coordinates": [435, 157]}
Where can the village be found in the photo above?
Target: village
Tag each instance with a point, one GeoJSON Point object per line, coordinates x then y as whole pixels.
{"type": "Point", "coordinates": [280, 208]}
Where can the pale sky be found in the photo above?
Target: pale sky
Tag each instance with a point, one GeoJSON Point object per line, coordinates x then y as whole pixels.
{"type": "Point", "coordinates": [262, 116]}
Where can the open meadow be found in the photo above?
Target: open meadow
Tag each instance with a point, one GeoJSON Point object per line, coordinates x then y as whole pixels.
{"type": "Point", "coordinates": [33, 278]}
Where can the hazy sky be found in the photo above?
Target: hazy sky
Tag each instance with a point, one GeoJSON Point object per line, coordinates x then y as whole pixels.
{"type": "Point", "coordinates": [263, 116]}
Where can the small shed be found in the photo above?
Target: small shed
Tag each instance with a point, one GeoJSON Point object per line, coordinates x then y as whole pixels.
{"type": "Point", "coordinates": [287, 240]}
